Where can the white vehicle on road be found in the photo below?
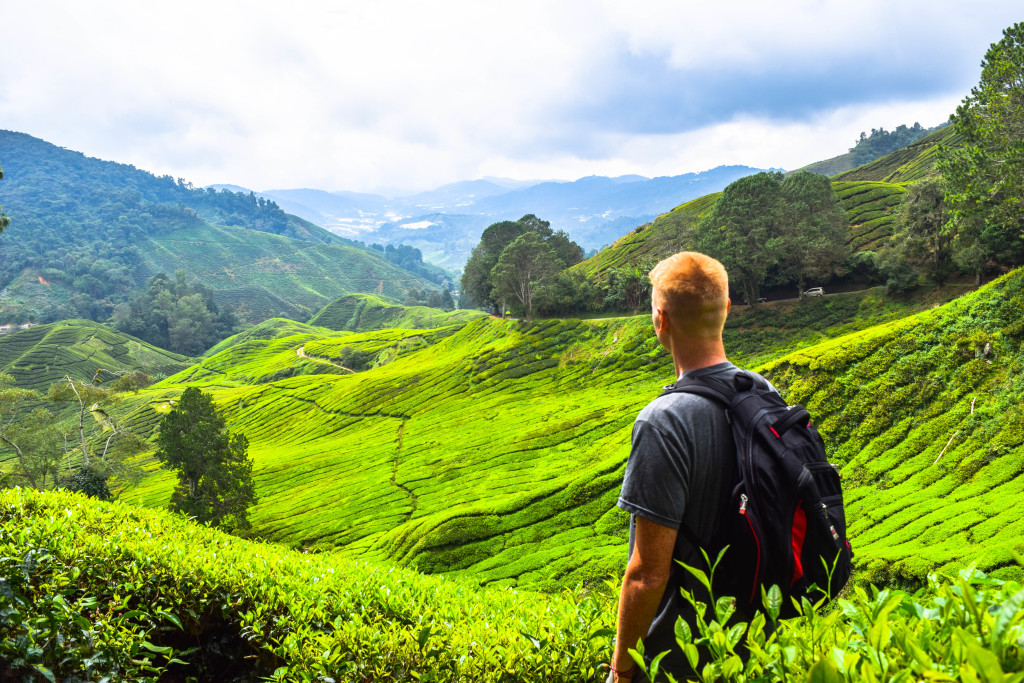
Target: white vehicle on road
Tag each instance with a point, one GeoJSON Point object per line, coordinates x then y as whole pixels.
{"type": "Point", "coordinates": [814, 291]}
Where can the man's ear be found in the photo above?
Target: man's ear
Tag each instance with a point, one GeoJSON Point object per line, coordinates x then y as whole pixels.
{"type": "Point", "coordinates": [661, 320]}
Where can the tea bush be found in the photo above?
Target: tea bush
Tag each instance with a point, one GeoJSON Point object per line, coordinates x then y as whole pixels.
{"type": "Point", "coordinates": [106, 591]}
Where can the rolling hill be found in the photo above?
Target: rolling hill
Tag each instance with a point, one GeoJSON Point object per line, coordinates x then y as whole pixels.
{"type": "Point", "coordinates": [365, 312]}
{"type": "Point", "coordinates": [86, 234]}
{"type": "Point", "coordinates": [41, 355]}
{"type": "Point", "coordinates": [870, 194]}
{"type": "Point", "coordinates": [495, 451]}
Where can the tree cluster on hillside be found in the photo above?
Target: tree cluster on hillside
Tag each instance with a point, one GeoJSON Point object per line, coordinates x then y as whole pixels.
{"type": "Point", "coordinates": [176, 315]}
{"type": "Point", "coordinates": [512, 261]}
{"type": "Point", "coordinates": [984, 175]}
{"type": "Point", "coordinates": [432, 298]}
{"type": "Point", "coordinates": [79, 447]}
{"type": "Point", "coordinates": [767, 228]}
{"type": "Point", "coordinates": [4, 220]}
{"type": "Point", "coordinates": [882, 142]}
{"type": "Point", "coordinates": [411, 259]}
{"type": "Point", "coordinates": [213, 465]}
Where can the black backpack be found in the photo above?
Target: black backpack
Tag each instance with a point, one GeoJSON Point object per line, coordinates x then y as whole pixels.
{"type": "Point", "coordinates": [783, 518]}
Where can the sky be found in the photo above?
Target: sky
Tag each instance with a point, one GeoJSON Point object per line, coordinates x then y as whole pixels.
{"type": "Point", "coordinates": [393, 95]}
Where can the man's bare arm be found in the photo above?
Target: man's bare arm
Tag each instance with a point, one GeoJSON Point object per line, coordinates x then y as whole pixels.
{"type": "Point", "coordinates": [646, 576]}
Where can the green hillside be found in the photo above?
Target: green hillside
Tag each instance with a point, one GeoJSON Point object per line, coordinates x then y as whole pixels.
{"type": "Point", "coordinates": [495, 451]}
{"type": "Point", "coordinates": [364, 312]}
{"type": "Point", "coordinates": [871, 206]}
{"type": "Point", "coordinates": [871, 195]}
{"type": "Point", "coordinates": [669, 233]}
{"type": "Point", "coordinates": [87, 234]}
{"type": "Point", "coordinates": [41, 355]}
{"type": "Point", "coordinates": [924, 416]}
{"type": "Point", "coordinates": [906, 165]}
{"type": "Point", "coordinates": [273, 328]}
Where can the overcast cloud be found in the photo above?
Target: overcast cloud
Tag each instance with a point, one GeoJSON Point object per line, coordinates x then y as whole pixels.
{"type": "Point", "coordinates": [407, 94]}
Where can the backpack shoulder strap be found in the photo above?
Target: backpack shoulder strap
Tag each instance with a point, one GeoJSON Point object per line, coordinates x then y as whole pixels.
{"type": "Point", "coordinates": [715, 389]}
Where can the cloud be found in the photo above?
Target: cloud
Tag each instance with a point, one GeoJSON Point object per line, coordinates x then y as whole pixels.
{"type": "Point", "coordinates": [356, 95]}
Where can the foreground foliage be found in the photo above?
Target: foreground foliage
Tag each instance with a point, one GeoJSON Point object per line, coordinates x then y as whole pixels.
{"type": "Point", "coordinates": [91, 589]}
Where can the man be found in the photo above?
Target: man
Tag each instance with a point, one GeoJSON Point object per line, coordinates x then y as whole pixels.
{"type": "Point", "coordinates": [682, 453]}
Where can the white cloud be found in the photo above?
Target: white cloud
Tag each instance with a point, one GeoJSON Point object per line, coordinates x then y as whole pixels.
{"type": "Point", "coordinates": [358, 95]}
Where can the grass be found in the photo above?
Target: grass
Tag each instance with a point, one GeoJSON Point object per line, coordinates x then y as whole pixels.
{"type": "Point", "coordinates": [494, 451]}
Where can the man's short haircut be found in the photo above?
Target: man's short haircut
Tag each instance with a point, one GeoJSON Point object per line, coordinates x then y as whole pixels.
{"type": "Point", "coordinates": [694, 289]}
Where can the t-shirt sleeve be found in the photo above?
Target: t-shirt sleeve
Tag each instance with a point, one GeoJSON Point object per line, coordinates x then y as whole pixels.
{"type": "Point", "coordinates": [657, 480]}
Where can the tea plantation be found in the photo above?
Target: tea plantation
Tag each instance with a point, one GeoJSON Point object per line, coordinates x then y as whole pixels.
{"type": "Point", "coordinates": [495, 451]}
{"type": "Point", "coordinates": [41, 355]}
{"type": "Point", "coordinates": [364, 312]}
{"type": "Point", "coordinates": [492, 454]}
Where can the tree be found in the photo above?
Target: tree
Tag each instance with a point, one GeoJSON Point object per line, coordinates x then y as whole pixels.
{"type": "Point", "coordinates": [447, 302]}
{"type": "Point", "coordinates": [743, 230]}
{"type": "Point", "coordinates": [922, 240]}
{"type": "Point", "coordinates": [568, 292]}
{"type": "Point", "coordinates": [984, 175]}
{"type": "Point", "coordinates": [478, 284]}
{"type": "Point", "coordinates": [214, 469]}
{"type": "Point", "coordinates": [176, 315]}
{"type": "Point", "coordinates": [106, 444]}
{"type": "Point", "coordinates": [815, 229]}
{"type": "Point", "coordinates": [32, 435]}
{"type": "Point", "coordinates": [629, 287]}
{"type": "Point", "coordinates": [522, 267]}
{"type": "Point", "coordinates": [4, 220]}
{"type": "Point", "coordinates": [476, 277]}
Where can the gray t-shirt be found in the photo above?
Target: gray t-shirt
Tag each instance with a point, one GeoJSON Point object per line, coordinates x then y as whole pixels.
{"type": "Point", "coordinates": [682, 455]}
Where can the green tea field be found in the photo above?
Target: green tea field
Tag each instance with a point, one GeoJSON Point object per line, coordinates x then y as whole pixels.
{"type": "Point", "coordinates": [364, 312]}
{"type": "Point", "coordinates": [41, 355]}
{"type": "Point", "coordinates": [495, 451]}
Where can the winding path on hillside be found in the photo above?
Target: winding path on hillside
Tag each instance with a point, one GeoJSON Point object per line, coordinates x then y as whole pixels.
{"type": "Point", "coordinates": [301, 353]}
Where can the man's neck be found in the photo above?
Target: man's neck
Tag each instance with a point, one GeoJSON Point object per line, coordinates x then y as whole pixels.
{"type": "Point", "coordinates": [693, 354]}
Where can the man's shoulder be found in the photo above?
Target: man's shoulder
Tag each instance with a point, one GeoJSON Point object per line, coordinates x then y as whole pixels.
{"type": "Point", "coordinates": [668, 407]}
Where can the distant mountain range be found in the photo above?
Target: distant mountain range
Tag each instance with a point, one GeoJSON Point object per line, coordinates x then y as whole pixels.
{"type": "Point", "coordinates": [446, 223]}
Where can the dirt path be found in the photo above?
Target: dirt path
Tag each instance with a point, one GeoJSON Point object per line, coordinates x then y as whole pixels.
{"type": "Point", "coordinates": [301, 353]}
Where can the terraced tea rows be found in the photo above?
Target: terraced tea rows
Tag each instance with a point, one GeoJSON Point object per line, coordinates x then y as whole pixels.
{"type": "Point", "coordinates": [925, 417]}
{"type": "Point", "coordinates": [872, 208]}
{"type": "Point", "coordinates": [667, 234]}
{"type": "Point", "coordinates": [41, 355]}
{"type": "Point", "coordinates": [435, 457]}
{"type": "Point", "coordinates": [913, 162]}
{"type": "Point", "coordinates": [495, 451]}
{"type": "Point", "coordinates": [364, 312]}
{"type": "Point", "coordinates": [264, 275]}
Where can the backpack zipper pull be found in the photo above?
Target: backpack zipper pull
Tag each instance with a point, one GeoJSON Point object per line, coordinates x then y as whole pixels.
{"type": "Point", "coordinates": [743, 503]}
{"type": "Point", "coordinates": [831, 526]}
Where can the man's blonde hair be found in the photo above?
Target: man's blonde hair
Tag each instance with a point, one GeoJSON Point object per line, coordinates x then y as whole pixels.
{"type": "Point", "coordinates": [694, 289]}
